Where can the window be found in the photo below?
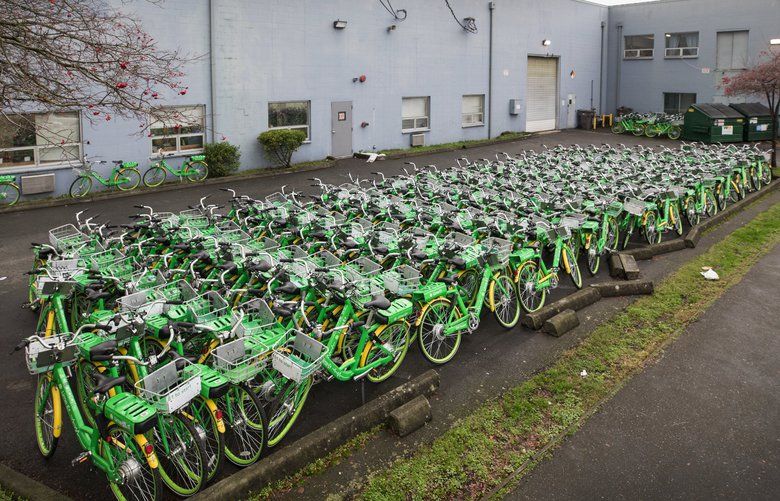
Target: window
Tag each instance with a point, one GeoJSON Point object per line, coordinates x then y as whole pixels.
{"type": "Point", "coordinates": [682, 45]}
{"type": "Point", "coordinates": [732, 50]}
{"type": "Point", "coordinates": [678, 102]}
{"type": "Point", "coordinates": [639, 47]}
{"type": "Point", "coordinates": [473, 110]}
{"type": "Point", "coordinates": [39, 139]}
{"type": "Point", "coordinates": [290, 115]}
{"type": "Point", "coordinates": [178, 129]}
{"type": "Point", "coordinates": [414, 113]}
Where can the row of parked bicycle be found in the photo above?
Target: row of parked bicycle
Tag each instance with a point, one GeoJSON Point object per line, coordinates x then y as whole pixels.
{"type": "Point", "coordinates": [124, 176]}
{"type": "Point", "coordinates": [649, 124]}
{"type": "Point", "coordinates": [183, 339]}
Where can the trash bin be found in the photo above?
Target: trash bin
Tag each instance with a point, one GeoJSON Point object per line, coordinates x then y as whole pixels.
{"type": "Point", "coordinates": [758, 121]}
{"type": "Point", "coordinates": [713, 123]}
{"type": "Point", "coordinates": [585, 119]}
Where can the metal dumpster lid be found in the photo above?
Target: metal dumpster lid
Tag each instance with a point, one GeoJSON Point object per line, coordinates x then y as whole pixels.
{"type": "Point", "coordinates": [752, 109]}
{"type": "Point", "coordinates": [715, 110]}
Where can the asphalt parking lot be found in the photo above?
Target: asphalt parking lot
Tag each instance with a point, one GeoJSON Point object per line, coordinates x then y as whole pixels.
{"type": "Point", "coordinates": [488, 359]}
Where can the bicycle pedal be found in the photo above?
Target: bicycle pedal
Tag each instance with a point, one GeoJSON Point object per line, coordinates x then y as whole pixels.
{"type": "Point", "coordinates": [81, 458]}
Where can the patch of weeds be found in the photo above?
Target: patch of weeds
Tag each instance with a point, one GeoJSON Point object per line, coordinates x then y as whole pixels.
{"type": "Point", "coordinates": [480, 450]}
{"type": "Point", "coordinates": [433, 148]}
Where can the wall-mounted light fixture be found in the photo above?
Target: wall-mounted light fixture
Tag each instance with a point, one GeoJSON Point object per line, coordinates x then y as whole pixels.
{"type": "Point", "coordinates": [390, 28]}
{"type": "Point", "coordinates": [546, 42]}
{"type": "Point", "coordinates": [361, 79]}
{"type": "Point", "coordinates": [774, 41]}
{"type": "Point", "coordinates": [339, 24]}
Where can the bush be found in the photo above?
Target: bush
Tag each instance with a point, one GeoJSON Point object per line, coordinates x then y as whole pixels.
{"type": "Point", "coordinates": [280, 144]}
{"type": "Point", "coordinates": [222, 158]}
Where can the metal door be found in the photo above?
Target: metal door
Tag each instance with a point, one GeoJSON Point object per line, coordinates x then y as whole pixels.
{"type": "Point", "coordinates": [571, 111]}
{"type": "Point", "coordinates": [341, 129]}
{"type": "Point", "coordinates": [542, 94]}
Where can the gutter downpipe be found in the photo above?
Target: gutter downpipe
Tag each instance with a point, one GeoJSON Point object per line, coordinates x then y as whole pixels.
{"type": "Point", "coordinates": [211, 72]}
{"type": "Point", "coordinates": [601, 69]}
{"type": "Point", "coordinates": [491, 6]}
{"type": "Point", "coordinates": [619, 64]}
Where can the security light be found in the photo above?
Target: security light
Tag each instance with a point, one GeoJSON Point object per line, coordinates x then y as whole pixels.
{"type": "Point", "coordinates": [774, 41]}
{"type": "Point", "coordinates": [546, 42]}
{"type": "Point", "coordinates": [339, 24]}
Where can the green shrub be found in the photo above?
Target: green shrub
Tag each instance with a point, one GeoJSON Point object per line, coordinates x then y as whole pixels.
{"type": "Point", "coordinates": [280, 144]}
{"type": "Point", "coordinates": [222, 158]}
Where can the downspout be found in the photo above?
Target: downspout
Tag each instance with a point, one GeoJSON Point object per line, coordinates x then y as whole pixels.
{"type": "Point", "coordinates": [619, 64]}
{"type": "Point", "coordinates": [601, 68]}
{"type": "Point", "coordinates": [211, 72]}
{"type": "Point", "coordinates": [491, 6]}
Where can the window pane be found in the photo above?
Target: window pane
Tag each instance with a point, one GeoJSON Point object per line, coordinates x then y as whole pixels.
{"type": "Point", "coordinates": [16, 130]}
{"type": "Point", "coordinates": [407, 123]}
{"type": "Point", "coordinates": [177, 120]}
{"type": "Point", "coordinates": [286, 114]}
{"type": "Point", "coordinates": [414, 107]}
{"type": "Point", "coordinates": [640, 41]}
{"type": "Point", "coordinates": [472, 104]}
{"type": "Point", "coordinates": [16, 158]}
{"type": "Point", "coordinates": [191, 142]}
{"type": "Point", "coordinates": [58, 154]}
{"type": "Point", "coordinates": [166, 144]}
{"type": "Point", "coordinates": [421, 123]}
{"type": "Point", "coordinates": [57, 128]}
{"type": "Point", "coordinates": [739, 51]}
{"type": "Point", "coordinates": [689, 39]}
{"type": "Point", "coordinates": [686, 100]}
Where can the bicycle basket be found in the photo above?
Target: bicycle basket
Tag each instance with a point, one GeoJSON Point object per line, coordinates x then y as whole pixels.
{"type": "Point", "coordinates": [257, 317]}
{"type": "Point", "coordinates": [325, 259]}
{"type": "Point", "coordinates": [206, 307]}
{"type": "Point", "coordinates": [401, 280]}
{"type": "Point", "coordinates": [168, 391]}
{"type": "Point", "coordinates": [501, 249]}
{"type": "Point", "coordinates": [299, 358]}
{"type": "Point", "coordinates": [240, 360]}
{"type": "Point", "coordinates": [66, 236]}
{"type": "Point", "coordinates": [42, 355]}
{"type": "Point", "coordinates": [634, 207]}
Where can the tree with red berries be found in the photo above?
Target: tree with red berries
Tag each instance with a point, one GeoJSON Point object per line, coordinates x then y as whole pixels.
{"type": "Point", "coordinates": [762, 80]}
{"type": "Point", "coordinates": [81, 55]}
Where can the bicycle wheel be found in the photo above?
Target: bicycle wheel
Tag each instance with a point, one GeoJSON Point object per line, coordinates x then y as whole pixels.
{"type": "Point", "coordinates": [710, 204]}
{"type": "Point", "coordinates": [127, 179]}
{"type": "Point", "coordinates": [618, 128]}
{"type": "Point", "coordinates": [80, 187]}
{"type": "Point", "coordinates": [574, 268]}
{"type": "Point", "coordinates": [86, 381]}
{"type": "Point", "coordinates": [180, 452]}
{"type": "Point", "coordinates": [674, 132]}
{"type": "Point", "coordinates": [638, 130]}
{"type": "Point", "coordinates": [9, 194]}
{"type": "Point", "coordinates": [139, 481]}
{"type": "Point", "coordinates": [737, 191]}
{"type": "Point", "coordinates": [435, 346]}
{"type": "Point", "coordinates": [155, 176]}
{"type": "Point", "coordinates": [526, 277]}
{"type": "Point", "coordinates": [196, 171]}
{"type": "Point", "coordinates": [674, 213]}
{"type": "Point", "coordinates": [650, 230]}
{"type": "Point", "coordinates": [651, 131]}
{"type": "Point", "coordinates": [754, 178]}
{"type": "Point", "coordinates": [720, 196]}
{"type": "Point", "coordinates": [468, 281]}
{"type": "Point", "coordinates": [214, 443]}
{"type": "Point", "coordinates": [594, 260]}
{"type": "Point", "coordinates": [689, 209]}
{"type": "Point", "coordinates": [285, 406]}
{"type": "Point", "coordinates": [396, 337]}
{"type": "Point", "coordinates": [503, 296]}
{"type": "Point", "coordinates": [247, 425]}
{"type": "Point", "coordinates": [48, 415]}
{"type": "Point", "coordinates": [766, 175]}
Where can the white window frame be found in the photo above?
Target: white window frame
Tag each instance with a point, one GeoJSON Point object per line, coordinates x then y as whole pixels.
{"type": "Point", "coordinates": [155, 153]}
{"type": "Point", "coordinates": [37, 148]}
{"type": "Point", "coordinates": [638, 53]}
{"type": "Point", "coordinates": [481, 113]}
{"type": "Point", "coordinates": [681, 52]}
{"type": "Point", "coordinates": [417, 119]}
{"type": "Point", "coordinates": [306, 128]}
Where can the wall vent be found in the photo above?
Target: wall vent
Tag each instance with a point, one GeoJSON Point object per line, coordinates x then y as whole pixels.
{"type": "Point", "coordinates": [41, 183]}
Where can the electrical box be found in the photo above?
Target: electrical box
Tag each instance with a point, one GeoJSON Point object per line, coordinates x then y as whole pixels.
{"type": "Point", "coordinates": [515, 106]}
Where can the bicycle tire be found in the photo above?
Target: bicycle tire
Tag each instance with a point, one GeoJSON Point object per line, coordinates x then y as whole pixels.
{"type": "Point", "coordinates": [182, 465]}
{"type": "Point", "coordinates": [154, 176]}
{"type": "Point", "coordinates": [280, 425]}
{"type": "Point", "coordinates": [196, 172]}
{"type": "Point", "coordinates": [131, 179]}
{"type": "Point", "coordinates": [144, 485]}
{"type": "Point", "coordinates": [246, 438]}
{"type": "Point", "coordinates": [80, 187]}
{"type": "Point", "coordinates": [9, 194]}
{"type": "Point", "coordinates": [503, 297]}
{"type": "Point", "coordinates": [46, 435]}
{"type": "Point", "coordinates": [432, 343]}
{"type": "Point", "coordinates": [526, 279]}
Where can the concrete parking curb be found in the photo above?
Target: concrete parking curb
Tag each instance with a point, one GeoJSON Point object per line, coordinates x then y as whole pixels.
{"type": "Point", "coordinates": [575, 301]}
{"type": "Point", "coordinates": [319, 442]}
{"type": "Point", "coordinates": [26, 487]}
{"type": "Point", "coordinates": [632, 288]}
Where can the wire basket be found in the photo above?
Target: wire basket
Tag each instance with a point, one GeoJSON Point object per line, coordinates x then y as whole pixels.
{"type": "Point", "coordinates": [257, 317]}
{"type": "Point", "coordinates": [572, 221]}
{"type": "Point", "coordinates": [277, 198]}
{"type": "Point", "coordinates": [240, 360]}
{"type": "Point", "coordinates": [299, 357]}
{"type": "Point", "coordinates": [167, 390]}
{"type": "Point", "coordinates": [401, 280]}
{"type": "Point", "coordinates": [41, 355]}
{"type": "Point", "coordinates": [325, 259]}
{"type": "Point", "coordinates": [207, 307]}
{"type": "Point", "coordinates": [500, 250]}
{"type": "Point", "coordinates": [359, 228]}
{"type": "Point", "coordinates": [66, 236]}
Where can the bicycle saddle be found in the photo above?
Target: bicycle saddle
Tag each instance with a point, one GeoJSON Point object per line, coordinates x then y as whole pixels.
{"type": "Point", "coordinates": [378, 302]}
{"type": "Point", "coordinates": [288, 288]}
{"type": "Point", "coordinates": [105, 383]}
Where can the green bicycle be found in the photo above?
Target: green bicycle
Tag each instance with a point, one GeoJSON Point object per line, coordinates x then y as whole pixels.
{"type": "Point", "coordinates": [194, 169]}
{"type": "Point", "coordinates": [9, 191]}
{"type": "Point", "coordinates": [124, 176]}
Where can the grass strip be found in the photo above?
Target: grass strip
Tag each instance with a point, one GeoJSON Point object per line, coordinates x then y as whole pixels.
{"type": "Point", "coordinates": [482, 449]}
{"type": "Point", "coordinates": [433, 148]}
{"type": "Point", "coordinates": [286, 484]}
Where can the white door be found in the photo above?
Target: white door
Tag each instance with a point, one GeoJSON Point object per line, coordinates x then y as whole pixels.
{"type": "Point", "coordinates": [542, 94]}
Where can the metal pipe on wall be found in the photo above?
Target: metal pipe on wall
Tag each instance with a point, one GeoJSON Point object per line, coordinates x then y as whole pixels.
{"type": "Point", "coordinates": [491, 6]}
{"type": "Point", "coordinates": [619, 61]}
{"type": "Point", "coordinates": [211, 73]}
{"type": "Point", "coordinates": [601, 68]}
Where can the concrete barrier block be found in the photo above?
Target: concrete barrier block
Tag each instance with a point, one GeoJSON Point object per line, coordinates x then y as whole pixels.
{"type": "Point", "coordinates": [668, 246]}
{"type": "Point", "coordinates": [632, 288]}
{"type": "Point", "coordinates": [410, 416]}
{"type": "Point", "coordinates": [561, 323]}
{"type": "Point", "coordinates": [630, 268]}
{"type": "Point", "coordinates": [576, 301]}
{"type": "Point", "coordinates": [641, 253]}
{"type": "Point", "coordinates": [615, 266]}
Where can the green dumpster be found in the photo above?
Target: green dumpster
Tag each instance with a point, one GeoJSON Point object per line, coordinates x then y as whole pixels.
{"type": "Point", "coordinates": [713, 123]}
{"type": "Point", "coordinates": [758, 121]}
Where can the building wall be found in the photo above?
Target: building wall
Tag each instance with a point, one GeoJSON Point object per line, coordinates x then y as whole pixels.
{"type": "Point", "coordinates": [641, 83]}
{"type": "Point", "coordinates": [278, 50]}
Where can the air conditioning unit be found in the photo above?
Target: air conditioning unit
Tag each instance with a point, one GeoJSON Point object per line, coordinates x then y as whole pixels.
{"type": "Point", "coordinates": [418, 140]}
